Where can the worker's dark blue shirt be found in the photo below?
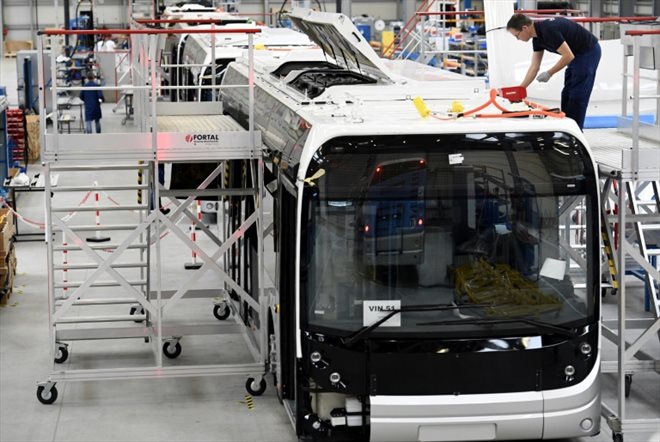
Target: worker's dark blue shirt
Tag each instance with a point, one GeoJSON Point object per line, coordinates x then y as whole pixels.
{"type": "Point", "coordinates": [92, 101]}
{"type": "Point", "coordinates": [552, 33]}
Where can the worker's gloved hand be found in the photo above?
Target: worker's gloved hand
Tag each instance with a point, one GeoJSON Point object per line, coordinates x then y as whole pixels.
{"type": "Point", "coordinates": [543, 77]}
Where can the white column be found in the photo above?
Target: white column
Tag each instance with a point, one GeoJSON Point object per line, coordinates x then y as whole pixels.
{"type": "Point", "coordinates": [503, 48]}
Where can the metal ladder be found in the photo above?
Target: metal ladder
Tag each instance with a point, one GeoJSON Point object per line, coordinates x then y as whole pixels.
{"type": "Point", "coordinates": [646, 216]}
{"type": "Point", "coordinates": [71, 241]}
{"type": "Point", "coordinates": [631, 213]}
{"type": "Point", "coordinates": [412, 38]}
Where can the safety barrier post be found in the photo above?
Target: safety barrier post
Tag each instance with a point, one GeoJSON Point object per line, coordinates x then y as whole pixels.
{"type": "Point", "coordinates": [194, 265]}
{"type": "Point", "coordinates": [65, 263]}
{"type": "Point", "coordinates": [97, 237]}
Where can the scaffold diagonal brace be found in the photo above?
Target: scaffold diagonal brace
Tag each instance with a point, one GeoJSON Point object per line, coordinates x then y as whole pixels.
{"type": "Point", "coordinates": [199, 224]}
{"type": "Point", "coordinates": [634, 253]}
{"type": "Point", "coordinates": [205, 267]}
{"type": "Point", "coordinates": [641, 340]}
{"type": "Point", "coordinates": [104, 265]}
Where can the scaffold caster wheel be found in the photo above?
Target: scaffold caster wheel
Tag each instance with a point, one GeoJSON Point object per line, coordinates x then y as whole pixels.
{"type": "Point", "coordinates": [250, 384]}
{"type": "Point", "coordinates": [628, 384]}
{"type": "Point", "coordinates": [172, 350]}
{"type": "Point", "coordinates": [137, 311]}
{"type": "Point", "coordinates": [617, 437]}
{"type": "Point", "coordinates": [221, 311]}
{"type": "Point", "coordinates": [61, 355]}
{"type": "Point", "coordinates": [46, 397]}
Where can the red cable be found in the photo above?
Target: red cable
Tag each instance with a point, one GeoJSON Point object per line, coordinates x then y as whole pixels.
{"type": "Point", "coordinates": [506, 113]}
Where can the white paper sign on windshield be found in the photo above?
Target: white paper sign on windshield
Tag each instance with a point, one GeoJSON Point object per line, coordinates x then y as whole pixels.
{"type": "Point", "coordinates": [375, 310]}
{"type": "Point", "coordinates": [553, 268]}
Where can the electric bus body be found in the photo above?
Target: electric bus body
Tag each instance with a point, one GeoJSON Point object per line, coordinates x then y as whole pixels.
{"type": "Point", "coordinates": [493, 332]}
{"type": "Point", "coordinates": [173, 45]}
{"type": "Point", "coordinates": [198, 53]}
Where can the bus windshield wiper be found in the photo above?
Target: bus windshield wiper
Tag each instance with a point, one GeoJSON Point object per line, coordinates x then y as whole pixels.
{"type": "Point", "coordinates": [364, 331]}
{"type": "Point", "coordinates": [544, 326]}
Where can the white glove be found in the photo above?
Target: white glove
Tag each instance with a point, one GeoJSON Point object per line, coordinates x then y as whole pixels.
{"type": "Point", "coordinates": [543, 77]}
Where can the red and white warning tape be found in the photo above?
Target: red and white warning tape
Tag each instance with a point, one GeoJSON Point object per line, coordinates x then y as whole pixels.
{"type": "Point", "coordinates": [40, 225]}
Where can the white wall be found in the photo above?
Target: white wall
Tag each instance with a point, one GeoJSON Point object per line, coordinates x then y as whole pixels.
{"type": "Point", "coordinates": [385, 9]}
{"type": "Point", "coordinates": [112, 13]}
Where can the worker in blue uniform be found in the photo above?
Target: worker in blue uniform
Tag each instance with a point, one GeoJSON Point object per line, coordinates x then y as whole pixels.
{"type": "Point", "coordinates": [92, 100]}
{"type": "Point", "coordinates": [580, 54]}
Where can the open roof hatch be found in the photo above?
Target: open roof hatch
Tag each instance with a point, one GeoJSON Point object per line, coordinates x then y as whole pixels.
{"type": "Point", "coordinates": [341, 41]}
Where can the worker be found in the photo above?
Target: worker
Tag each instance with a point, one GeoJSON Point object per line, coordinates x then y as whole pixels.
{"type": "Point", "coordinates": [92, 100]}
{"type": "Point", "coordinates": [580, 54]}
{"type": "Point", "coordinates": [106, 44]}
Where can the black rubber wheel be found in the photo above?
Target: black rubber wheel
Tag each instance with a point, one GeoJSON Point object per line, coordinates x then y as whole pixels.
{"type": "Point", "coordinates": [259, 391]}
{"type": "Point", "coordinates": [61, 355]}
{"type": "Point", "coordinates": [628, 384]}
{"type": "Point", "coordinates": [46, 397]}
{"type": "Point", "coordinates": [172, 351]}
{"type": "Point", "coordinates": [137, 311]}
{"type": "Point", "coordinates": [221, 312]}
{"type": "Point", "coordinates": [617, 437]}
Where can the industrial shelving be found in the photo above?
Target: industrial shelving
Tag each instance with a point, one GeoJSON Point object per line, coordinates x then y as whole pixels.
{"type": "Point", "coordinates": [4, 156]}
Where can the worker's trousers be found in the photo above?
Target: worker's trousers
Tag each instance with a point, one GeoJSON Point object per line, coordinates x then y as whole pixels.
{"type": "Point", "coordinates": [578, 83]}
{"type": "Point", "coordinates": [88, 126]}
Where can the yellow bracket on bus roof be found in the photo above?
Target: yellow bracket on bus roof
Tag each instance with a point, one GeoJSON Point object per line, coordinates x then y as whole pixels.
{"type": "Point", "coordinates": [421, 107]}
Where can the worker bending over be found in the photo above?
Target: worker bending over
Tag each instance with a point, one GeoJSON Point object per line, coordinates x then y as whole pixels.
{"type": "Point", "coordinates": [580, 54]}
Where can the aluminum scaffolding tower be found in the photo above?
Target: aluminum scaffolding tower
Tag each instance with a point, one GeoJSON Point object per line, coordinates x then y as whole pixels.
{"type": "Point", "coordinates": [630, 207]}
{"type": "Point", "coordinates": [133, 260]}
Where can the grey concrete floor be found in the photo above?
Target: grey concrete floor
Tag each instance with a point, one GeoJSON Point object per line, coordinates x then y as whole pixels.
{"type": "Point", "coordinates": [180, 409]}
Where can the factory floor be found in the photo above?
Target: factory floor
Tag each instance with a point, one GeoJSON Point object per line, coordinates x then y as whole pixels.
{"type": "Point", "coordinates": [173, 409]}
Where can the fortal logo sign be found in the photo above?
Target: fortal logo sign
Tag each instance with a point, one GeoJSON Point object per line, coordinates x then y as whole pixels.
{"type": "Point", "coordinates": [202, 138]}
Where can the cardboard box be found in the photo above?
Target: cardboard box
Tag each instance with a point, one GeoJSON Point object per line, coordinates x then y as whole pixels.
{"type": "Point", "coordinates": [7, 275]}
{"type": "Point", "coordinates": [7, 265]}
{"type": "Point", "coordinates": [13, 46]}
{"type": "Point", "coordinates": [6, 231]}
{"type": "Point", "coordinates": [33, 138]}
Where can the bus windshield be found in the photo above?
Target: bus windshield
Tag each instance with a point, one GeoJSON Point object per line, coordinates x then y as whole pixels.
{"type": "Point", "coordinates": [508, 222]}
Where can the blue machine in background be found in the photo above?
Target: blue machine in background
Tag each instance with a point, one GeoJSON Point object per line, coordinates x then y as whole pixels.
{"type": "Point", "coordinates": [365, 30]}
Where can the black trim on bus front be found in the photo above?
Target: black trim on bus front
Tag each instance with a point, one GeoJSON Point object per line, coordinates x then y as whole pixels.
{"type": "Point", "coordinates": [438, 366]}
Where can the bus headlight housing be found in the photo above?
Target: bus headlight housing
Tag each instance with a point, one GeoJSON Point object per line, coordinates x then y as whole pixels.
{"type": "Point", "coordinates": [569, 371]}
{"type": "Point", "coordinates": [586, 424]}
{"type": "Point", "coordinates": [585, 349]}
